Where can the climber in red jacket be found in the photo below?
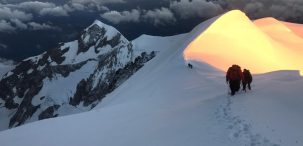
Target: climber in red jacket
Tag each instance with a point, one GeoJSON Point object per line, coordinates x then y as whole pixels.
{"type": "Point", "coordinates": [234, 76]}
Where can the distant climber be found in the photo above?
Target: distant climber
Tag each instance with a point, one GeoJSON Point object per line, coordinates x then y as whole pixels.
{"type": "Point", "coordinates": [190, 66]}
{"type": "Point", "coordinates": [247, 79]}
{"type": "Point", "coordinates": [234, 76]}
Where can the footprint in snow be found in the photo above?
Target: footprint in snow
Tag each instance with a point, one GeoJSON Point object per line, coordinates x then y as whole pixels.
{"type": "Point", "coordinates": [239, 129]}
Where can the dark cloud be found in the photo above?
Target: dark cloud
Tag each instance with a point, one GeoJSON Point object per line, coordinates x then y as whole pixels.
{"type": "Point", "coordinates": [289, 10]}
{"type": "Point", "coordinates": [286, 10]}
{"type": "Point", "coordinates": [187, 9]}
{"type": "Point", "coordinates": [282, 9]}
{"type": "Point", "coordinates": [182, 9]}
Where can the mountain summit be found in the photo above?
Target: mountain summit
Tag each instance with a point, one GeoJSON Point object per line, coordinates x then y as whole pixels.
{"type": "Point", "coordinates": [263, 45]}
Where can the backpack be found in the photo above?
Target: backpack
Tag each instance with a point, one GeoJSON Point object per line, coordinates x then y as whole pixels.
{"type": "Point", "coordinates": [247, 75]}
{"type": "Point", "coordinates": [234, 73]}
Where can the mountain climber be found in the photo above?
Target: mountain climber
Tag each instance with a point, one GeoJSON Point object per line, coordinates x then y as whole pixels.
{"type": "Point", "coordinates": [247, 79]}
{"type": "Point", "coordinates": [190, 66]}
{"type": "Point", "coordinates": [234, 76]}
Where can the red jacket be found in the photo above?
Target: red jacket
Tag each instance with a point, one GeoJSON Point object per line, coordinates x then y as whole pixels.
{"type": "Point", "coordinates": [234, 73]}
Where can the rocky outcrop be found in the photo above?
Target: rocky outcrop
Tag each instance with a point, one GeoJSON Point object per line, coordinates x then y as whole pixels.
{"type": "Point", "coordinates": [56, 55]}
{"type": "Point", "coordinates": [90, 36]}
{"type": "Point", "coordinates": [49, 112]}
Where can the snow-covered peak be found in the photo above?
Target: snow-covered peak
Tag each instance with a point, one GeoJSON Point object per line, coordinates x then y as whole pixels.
{"type": "Point", "coordinates": [110, 31]}
{"type": "Point", "coordinates": [99, 23]}
{"type": "Point", "coordinates": [70, 78]}
{"type": "Point", "coordinates": [95, 40]}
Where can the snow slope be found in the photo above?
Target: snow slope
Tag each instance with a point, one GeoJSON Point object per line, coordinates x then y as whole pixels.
{"type": "Point", "coordinates": [165, 103]}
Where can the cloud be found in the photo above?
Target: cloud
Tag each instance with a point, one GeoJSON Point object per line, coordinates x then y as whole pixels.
{"type": "Point", "coordinates": [6, 27]}
{"type": "Point", "coordinates": [18, 15]}
{"type": "Point", "coordinates": [19, 24]}
{"type": "Point", "coordinates": [43, 26]}
{"type": "Point", "coordinates": [92, 5]}
{"type": "Point", "coordinates": [51, 9]}
{"type": "Point", "coordinates": [186, 9]}
{"type": "Point", "coordinates": [41, 8]}
{"type": "Point", "coordinates": [35, 6]}
{"type": "Point", "coordinates": [74, 6]}
{"type": "Point", "coordinates": [13, 19]}
{"type": "Point", "coordinates": [7, 13]}
{"type": "Point", "coordinates": [56, 11]}
{"type": "Point", "coordinates": [159, 16]}
{"type": "Point", "coordinates": [156, 17]}
{"type": "Point", "coordinates": [125, 16]}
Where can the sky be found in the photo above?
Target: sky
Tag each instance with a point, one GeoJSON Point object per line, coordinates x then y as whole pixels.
{"type": "Point", "coordinates": [28, 27]}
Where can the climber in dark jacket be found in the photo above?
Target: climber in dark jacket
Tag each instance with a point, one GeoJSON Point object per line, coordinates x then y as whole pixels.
{"type": "Point", "coordinates": [234, 77]}
{"type": "Point", "coordinates": [247, 79]}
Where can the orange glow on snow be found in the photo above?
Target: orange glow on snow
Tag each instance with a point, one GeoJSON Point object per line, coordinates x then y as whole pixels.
{"type": "Point", "coordinates": [261, 46]}
{"type": "Point", "coordinates": [296, 28]}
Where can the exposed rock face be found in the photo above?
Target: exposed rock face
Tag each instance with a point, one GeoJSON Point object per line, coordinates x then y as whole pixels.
{"type": "Point", "coordinates": [91, 35]}
{"type": "Point", "coordinates": [89, 68]}
{"type": "Point", "coordinates": [49, 112]}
